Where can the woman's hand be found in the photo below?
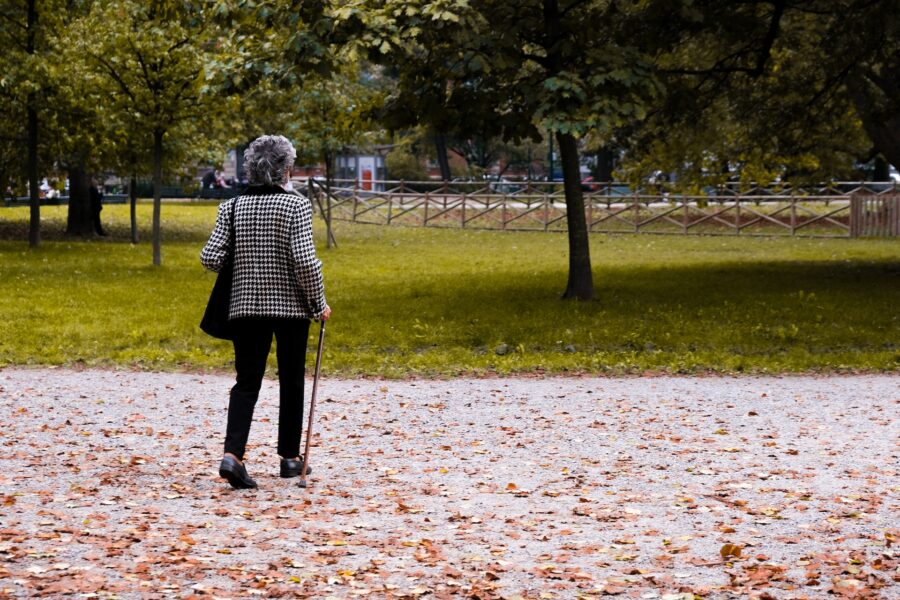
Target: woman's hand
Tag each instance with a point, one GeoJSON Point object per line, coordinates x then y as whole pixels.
{"type": "Point", "coordinates": [326, 314]}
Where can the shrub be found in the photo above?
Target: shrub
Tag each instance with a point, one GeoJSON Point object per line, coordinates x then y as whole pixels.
{"type": "Point", "coordinates": [402, 164]}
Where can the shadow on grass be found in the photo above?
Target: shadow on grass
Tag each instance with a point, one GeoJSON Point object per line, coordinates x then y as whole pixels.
{"type": "Point", "coordinates": [671, 287]}
{"type": "Point", "coordinates": [741, 281]}
{"type": "Point", "coordinates": [767, 307]}
{"type": "Point", "coordinates": [54, 230]}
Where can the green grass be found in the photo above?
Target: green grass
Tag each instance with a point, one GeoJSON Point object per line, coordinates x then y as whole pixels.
{"type": "Point", "coordinates": [436, 302]}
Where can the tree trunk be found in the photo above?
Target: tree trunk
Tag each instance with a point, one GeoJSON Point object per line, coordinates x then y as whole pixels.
{"type": "Point", "coordinates": [440, 145]}
{"type": "Point", "coordinates": [485, 157]}
{"type": "Point", "coordinates": [132, 196]}
{"type": "Point", "coordinates": [80, 220]}
{"type": "Point", "coordinates": [239, 163]}
{"type": "Point", "coordinates": [581, 280]}
{"type": "Point", "coordinates": [550, 168]}
{"type": "Point", "coordinates": [34, 197]}
{"type": "Point", "coordinates": [157, 194]}
{"type": "Point", "coordinates": [879, 118]}
{"type": "Point", "coordinates": [605, 163]}
{"type": "Point", "coordinates": [329, 235]}
{"type": "Point", "coordinates": [882, 170]}
{"type": "Point", "coordinates": [34, 192]}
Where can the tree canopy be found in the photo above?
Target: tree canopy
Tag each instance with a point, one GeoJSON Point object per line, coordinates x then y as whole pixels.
{"type": "Point", "coordinates": [156, 62]}
{"type": "Point", "coordinates": [708, 90]}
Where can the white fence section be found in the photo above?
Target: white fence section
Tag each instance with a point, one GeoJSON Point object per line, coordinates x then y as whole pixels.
{"type": "Point", "coordinates": [832, 210]}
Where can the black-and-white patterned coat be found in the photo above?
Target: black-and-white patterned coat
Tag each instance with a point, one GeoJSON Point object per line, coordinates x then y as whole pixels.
{"type": "Point", "coordinates": [276, 271]}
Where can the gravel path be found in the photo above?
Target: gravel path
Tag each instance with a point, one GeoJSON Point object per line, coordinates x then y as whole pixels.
{"type": "Point", "coordinates": [497, 488]}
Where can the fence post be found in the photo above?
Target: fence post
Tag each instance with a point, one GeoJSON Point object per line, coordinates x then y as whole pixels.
{"type": "Point", "coordinates": [875, 216]}
{"type": "Point", "coordinates": [637, 213]}
{"type": "Point", "coordinates": [737, 214]}
{"type": "Point", "coordinates": [793, 213]}
{"type": "Point", "coordinates": [590, 210]}
{"type": "Point", "coordinates": [390, 201]}
{"type": "Point", "coordinates": [329, 232]}
{"type": "Point", "coordinates": [425, 216]}
{"type": "Point", "coordinates": [894, 215]}
{"type": "Point", "coordinates": [355, 199]}
{"type": "Point", "coordinates": [684, 203]}
{"type": "Point", "coordinates": [546, 201]}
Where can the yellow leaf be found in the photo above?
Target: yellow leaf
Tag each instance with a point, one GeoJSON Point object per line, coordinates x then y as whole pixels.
{"type": "Point", "coordinates": [730, 550]}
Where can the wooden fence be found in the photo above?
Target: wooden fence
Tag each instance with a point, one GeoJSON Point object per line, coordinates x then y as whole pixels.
{"type": "Point", "coordinates": [875, 215]}
{"type": "Point", "coordinates": [836, 210]}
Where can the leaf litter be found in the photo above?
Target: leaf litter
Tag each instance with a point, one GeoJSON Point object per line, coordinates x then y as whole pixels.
{"type": "Point", "coordinates": [669, 488]}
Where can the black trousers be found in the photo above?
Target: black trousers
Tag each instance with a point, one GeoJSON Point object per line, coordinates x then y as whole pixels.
{"type": "Point", "coordinates": [252, 342]}
{"type": "Point", "coordinates": [98, 226]}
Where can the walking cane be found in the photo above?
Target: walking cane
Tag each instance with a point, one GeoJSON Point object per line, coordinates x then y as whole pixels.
{"type": "Point", "coordinates": [312, 405]}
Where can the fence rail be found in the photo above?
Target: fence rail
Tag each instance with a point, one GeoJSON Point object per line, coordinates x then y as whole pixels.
{"type": "Point", "coordinates": [825, 211]}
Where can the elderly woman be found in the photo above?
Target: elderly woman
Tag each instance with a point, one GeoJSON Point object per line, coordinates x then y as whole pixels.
{"type": "Point", "coordinates": [277, 289]}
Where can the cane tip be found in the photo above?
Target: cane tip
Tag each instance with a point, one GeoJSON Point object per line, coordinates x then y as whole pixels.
{"type": "Point", "coordinates": [301, 483]}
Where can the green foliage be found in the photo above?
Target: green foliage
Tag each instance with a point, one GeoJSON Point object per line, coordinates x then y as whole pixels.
{"type": "Point", "coordinates": [442, 302]}
{"type": "Point", "coordinates": [335, 113]}
{"type": "Point", "coordinates": [571, 69]}
{"type": "Point", "coordinates": [36, 78]}
{"type": "Point", "coordinates": [154, 65]}
{"type": "Point", "coordinates": [403, 164]}
{"type": "Point", "coordinates": [822, 97]}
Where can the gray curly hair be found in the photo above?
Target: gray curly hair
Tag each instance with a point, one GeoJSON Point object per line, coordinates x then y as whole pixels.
{"type": "Point", "coordinates": [267, 158]}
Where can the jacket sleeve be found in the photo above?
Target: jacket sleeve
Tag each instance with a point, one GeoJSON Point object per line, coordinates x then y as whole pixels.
{"type": "Point", "coordinates": [215, 253]}
{"type": "Point", "coordinates": [307, 266]}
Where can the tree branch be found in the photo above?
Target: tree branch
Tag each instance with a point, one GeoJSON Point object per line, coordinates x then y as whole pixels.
{"type": "Point", "coordinates": [722, 65]}
{"type": "Point", "coordinates": [140, 58]}
{"type": "Point", "coordinates": [573, 5]}
{"type": "Point", "coordinates": [116, 77]}
{"type": "Point", "coordinates": [14, 21]}
{"type": "Point", "coordinates": [178, 44]}
{"type": "Point", "coordinates": [541, 60]}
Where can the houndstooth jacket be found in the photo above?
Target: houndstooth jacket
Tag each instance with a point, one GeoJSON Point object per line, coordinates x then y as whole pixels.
{"type": "Point", "coordinates": [276, 271]}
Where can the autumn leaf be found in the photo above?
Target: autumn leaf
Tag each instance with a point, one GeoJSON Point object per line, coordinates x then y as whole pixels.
{"type": "Point", "coordinates": [730, 550]}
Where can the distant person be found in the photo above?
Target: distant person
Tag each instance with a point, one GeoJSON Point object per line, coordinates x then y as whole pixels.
{"type": "Point", "coordinates": [208, 180]}
{"type": "Point", "coordinates": [220, 180]}
{"type": "Point", "coordinates": [96, 197]}
{"type": "Point", "coordinates": [277, 289]}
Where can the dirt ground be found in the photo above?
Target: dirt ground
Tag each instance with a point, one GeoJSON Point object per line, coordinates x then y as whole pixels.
{"type": "Point", "coordinates": [665, 487]}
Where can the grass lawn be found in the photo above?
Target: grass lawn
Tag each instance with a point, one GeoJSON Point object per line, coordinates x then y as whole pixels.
{"type": "Point", "coordinates": [441, 302]}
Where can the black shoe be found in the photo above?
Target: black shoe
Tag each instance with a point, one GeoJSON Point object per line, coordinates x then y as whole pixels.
{"type": "Point", "coordinates": [236, 474]}
{"type": "Point", "coordinates": [291, 467]}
